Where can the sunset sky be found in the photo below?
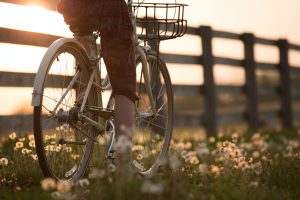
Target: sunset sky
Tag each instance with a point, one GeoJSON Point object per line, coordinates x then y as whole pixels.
{"type": "Point", "coordinates": [272, 19]}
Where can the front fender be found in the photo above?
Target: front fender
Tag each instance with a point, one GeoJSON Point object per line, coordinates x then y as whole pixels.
{"type": "Point", "coordinates": [45, 64]}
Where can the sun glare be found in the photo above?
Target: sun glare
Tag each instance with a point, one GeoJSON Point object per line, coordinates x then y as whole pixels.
{"type": "Point", "coordinates": [32, 18]}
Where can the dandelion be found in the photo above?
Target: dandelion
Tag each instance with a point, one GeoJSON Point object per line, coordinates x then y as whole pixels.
{"type": "Point", "coordinates": [256, 154]}
{"type": "Point", "coordinates": [234, 137]}
{"type": "Point", "coordinates": [179, 146]}
{"type": "Point", "coordinates": [26, 151]}
{"type": "Point", "coordinates": [139, 157]}
{"type": "Point", "coordinates": [19, 145]}
{"type": "Point", "coordinates": [123, 144]}
{"type": "Point", "coordinates": [220, 135]}
{"type": "Point", "coordinates": [48, 184]}
{"type": "Point", "coordinates": [34, 157]}
{"type": "Point", "coordinates": [253, 184]}
{"type": "Point", "coordinates": [56, 195]}
{"type": "Point", "coordinates": [194, 160]}
{"type": "Point", "coordinates": [211, 139]}
{"type": "Point", "coordinates": [12, 136]}
{"type": "Point", "coordinates": [30, 137]}
{"type": "Point", "coordinates": [255, 136]}
{"type": "Point", "coordinates": [18, 188]}
{"type": "Point", "coordinates": [3, 162]}
{"type": "Point", "coordinates": [58, 148]}
{"type": "Point", "coordinates": [22, 139]}
{"type": "Point", "coordinates": [111, 167]}
{"type": "Point", "coordinates": [257, 167]}
{"type": "Point", "coordinates": [96, 174]}
{"type": "Point", "coordinates": [183, 154]}
{"type": "Point", "coordinates": [174, 162]}
{"type": "Point", "coordinates": [84, 183]}
{"type": "Point", "coordinates": [74, 156]}
{"type": "Point", "coordinates": [202, 149]}
{"type": "Point", "coordinates": [153, 152]}
{"type": "Point", "coordinates": [47, 137]}
{"type": "Point", "coordinates": [32, 143]}
{"type": "Point", "coordinates": [203, 169]}
{"type": "Point", "coordinates": [137, 148]}
{"type": "Point", "coordinates": [152, 188]}
{"type": "Point", "coordinates": [64, 186]}
{"type": "Point", "coordinates": [188, 145]}
{"type": "Point", "coordinates": [215, 170]}
{"type": "Point", "coordinates": [67, 149]}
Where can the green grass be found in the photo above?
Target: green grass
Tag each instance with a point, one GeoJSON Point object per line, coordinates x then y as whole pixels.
{"type": "Point", "coordinates": [257, 166]}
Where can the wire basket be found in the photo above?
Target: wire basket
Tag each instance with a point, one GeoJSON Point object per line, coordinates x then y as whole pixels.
{"type": "Point", "coordinates": [160, 21]}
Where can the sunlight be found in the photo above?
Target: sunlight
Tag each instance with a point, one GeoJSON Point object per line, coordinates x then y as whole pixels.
{"type": "Point", "coordinates": [32, 18]}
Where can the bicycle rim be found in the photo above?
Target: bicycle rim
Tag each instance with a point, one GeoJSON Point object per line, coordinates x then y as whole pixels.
{"type": "Point", "coordinates": [63, 150]}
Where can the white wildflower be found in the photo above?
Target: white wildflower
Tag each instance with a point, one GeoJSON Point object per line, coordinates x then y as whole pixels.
{"type": "Point", "coordinates": [111, 167]}
{"type": "Point", "coordinates": [96, 173]}
{"type": "Point", "coordinates": [48, 184]}
{"type": "Point", "coordinates": [84, 183]}
{"type": "Point", "coordinates": [64, 186]}
{"type": "Point", "coordinates": [203, 169]}
{"type": "Point", "coordinates": [12, 136]}
{"type": "Point", "coordinates": [3, 162]}
{"type": "Point", "coordinates": [152, 188]}
{"type": "Point", "coordinates": [174, 162]}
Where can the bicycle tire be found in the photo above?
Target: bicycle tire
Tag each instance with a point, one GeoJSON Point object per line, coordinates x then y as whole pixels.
{"type": "Point", "coordinates": [76, 163]}
{"type": "Point", "coordinates": [140, 164]}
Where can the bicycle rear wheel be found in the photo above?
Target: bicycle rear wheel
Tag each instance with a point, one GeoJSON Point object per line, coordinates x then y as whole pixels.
{"type": "Point", "coordinates": [153, 130]}
{"type": "Point", "coordinates": [63, 141]}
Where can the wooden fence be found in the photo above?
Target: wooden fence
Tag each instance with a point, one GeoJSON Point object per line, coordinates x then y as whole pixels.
{"type": "Point", "coordinates": [209, 90]}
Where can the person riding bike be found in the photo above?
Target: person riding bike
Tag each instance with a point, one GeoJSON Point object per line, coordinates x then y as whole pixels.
{"type": "Point", "coordinates": [111, 18]}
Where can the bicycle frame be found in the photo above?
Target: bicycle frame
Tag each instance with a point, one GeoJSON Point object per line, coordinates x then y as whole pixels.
{"type": "Point", "coordinates": [93, 60]}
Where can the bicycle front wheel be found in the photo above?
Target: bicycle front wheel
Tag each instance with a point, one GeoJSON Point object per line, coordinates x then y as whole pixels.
{"type": "Point", "coordinates": [153, 127]}
{"type": "Point", "coordinates": [63, 141]}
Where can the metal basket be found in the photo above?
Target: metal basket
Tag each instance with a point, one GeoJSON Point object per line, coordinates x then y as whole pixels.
{"type": "Point", "coordinates": [160, 21]}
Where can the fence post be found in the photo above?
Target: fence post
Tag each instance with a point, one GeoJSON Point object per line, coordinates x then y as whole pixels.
{"type": "Point", "coordinates": [250, 84]}
{"type": "Point", "coordinates": [210, 118]}
{"type": "Point", "coordinates": [285, 85]}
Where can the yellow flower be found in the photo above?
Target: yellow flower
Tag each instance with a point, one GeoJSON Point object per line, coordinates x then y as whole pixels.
{"type": "Point", "coordinates": [3, 162]}
{"type": "Point", "coordinates": [22, 139]}
{"type": "Point", "coordinates": [48, 184]}
{"type": "Point", "coordinates": [12, 136]}
{"type": "Point", "coordinates": [64, 186]}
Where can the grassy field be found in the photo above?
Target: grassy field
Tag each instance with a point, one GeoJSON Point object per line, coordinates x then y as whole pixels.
{"type": "Point", "coordinates": [261, 165]}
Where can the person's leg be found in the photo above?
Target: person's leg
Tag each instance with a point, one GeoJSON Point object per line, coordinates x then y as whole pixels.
{"type": "Point", "coordinates": [118, 54]}
{"type": "Point", "coordinates": [124, 116]}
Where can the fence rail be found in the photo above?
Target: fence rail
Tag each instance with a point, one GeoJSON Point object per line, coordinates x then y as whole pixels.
{"type": "Point", "coordinates": [210, 116]}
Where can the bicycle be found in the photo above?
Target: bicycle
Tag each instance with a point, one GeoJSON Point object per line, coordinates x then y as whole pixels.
{"type": "Point", "coordinates": [69, 115]}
